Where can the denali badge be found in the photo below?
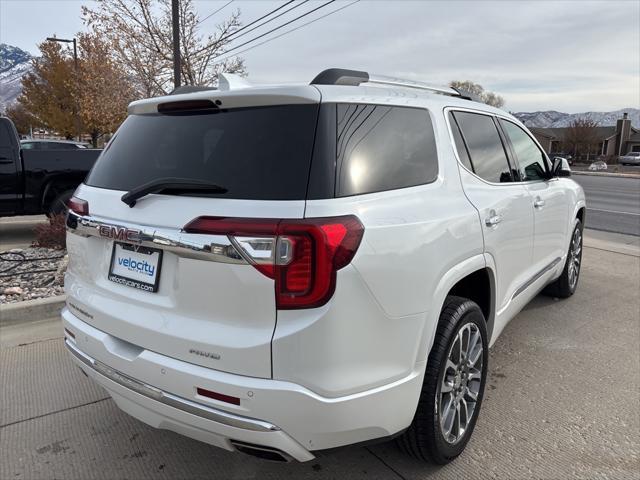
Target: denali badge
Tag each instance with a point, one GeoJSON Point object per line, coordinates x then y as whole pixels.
{"type": "Point", "coordinates": [215, 356]}
{"type": "Point", "coordinates": [119, 233]}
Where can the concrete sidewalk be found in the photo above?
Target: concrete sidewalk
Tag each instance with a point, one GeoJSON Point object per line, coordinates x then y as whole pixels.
{"type": "Point", "coordinates": [17, 232]}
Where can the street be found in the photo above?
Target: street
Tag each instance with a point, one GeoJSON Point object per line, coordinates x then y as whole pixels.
{"type": "Point", "coordinates": [561, 402]}
{"type": "Point", "coordinates": [613, 203]}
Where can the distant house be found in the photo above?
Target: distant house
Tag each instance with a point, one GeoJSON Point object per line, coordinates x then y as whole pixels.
{"type": "Point", "coordinates": [612, 141]}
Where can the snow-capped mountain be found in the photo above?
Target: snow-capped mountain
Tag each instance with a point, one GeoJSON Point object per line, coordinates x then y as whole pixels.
{"type": "Point", "coordinates": [14, 64]}
{"type": "Point", "coordinates": [551, 118]}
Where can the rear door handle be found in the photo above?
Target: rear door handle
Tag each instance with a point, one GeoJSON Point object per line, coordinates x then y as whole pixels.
{"type": "Point", "coordinates": [493, 220]}
{"type": "Point", "coordinates": [538, 203]}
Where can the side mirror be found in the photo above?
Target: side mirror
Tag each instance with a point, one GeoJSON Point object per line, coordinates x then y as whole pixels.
{"type": "Point", "coordinates": [561, 167]}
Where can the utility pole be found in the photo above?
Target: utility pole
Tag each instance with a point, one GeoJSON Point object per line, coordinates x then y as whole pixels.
{"type": "Point", "coordinates": [76, 114]}
{"type": "Point", "coordinates": [175, 17]}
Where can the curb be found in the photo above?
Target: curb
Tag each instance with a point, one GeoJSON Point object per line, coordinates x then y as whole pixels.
{"type": "Point", "coordinates": [31, 310]}
{"type": "Point", "coordinates": [602, 174]}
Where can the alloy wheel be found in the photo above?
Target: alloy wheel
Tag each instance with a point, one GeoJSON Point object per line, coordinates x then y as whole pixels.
{"type": "Point", "coordinates": [575, 257]}
{"type": "Point", "coordinates": [461, 382]}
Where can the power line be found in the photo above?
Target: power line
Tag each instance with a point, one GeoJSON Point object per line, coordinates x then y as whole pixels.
{"type": "Point", "coordinates": [226, 37]}
{"type": "Point", "coordinates": [276, 28]}
{"type": "Point", "coordinates": [213, 13]}
{"type": "Point", "coordinates": [289, 31]}
{"type": "Point", "coordinates": [268, 21]}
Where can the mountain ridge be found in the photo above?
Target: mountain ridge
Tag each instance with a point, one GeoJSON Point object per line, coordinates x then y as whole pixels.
{"type": "Point", "coordinates": [555, 119]}
{"type": "Point", "coordinates": [15, 63]}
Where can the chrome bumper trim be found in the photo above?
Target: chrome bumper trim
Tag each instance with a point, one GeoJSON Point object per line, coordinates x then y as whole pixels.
{"type": "Point", "coordinates": [189, 245]}
{"type": "Point", "coordinates": [174, 401]}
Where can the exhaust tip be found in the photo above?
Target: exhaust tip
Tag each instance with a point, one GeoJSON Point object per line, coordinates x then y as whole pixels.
{"type": "Point", "coordinates": [262, 452]}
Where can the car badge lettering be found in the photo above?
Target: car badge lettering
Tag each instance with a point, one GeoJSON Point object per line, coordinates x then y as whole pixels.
{"type": "Point", "coordinates": [119, 233]}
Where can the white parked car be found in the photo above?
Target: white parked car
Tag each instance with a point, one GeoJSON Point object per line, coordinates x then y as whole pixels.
{"type": "Point", "coordinates": [286, 269]}
{"type": "Point", "coordinates": [631, 158]}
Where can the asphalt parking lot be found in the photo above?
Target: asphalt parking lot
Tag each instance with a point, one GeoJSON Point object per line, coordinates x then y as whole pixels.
{"type": "Point", "coordinates": [562, 401]}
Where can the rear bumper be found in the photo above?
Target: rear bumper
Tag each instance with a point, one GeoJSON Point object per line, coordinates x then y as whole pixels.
{"type": "Point", "coordinates": [161, 409]}
{"type": "Point", "coordinates": [161, 391]}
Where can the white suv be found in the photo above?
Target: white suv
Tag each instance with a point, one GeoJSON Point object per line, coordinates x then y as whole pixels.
{"type": "Point", "coordinates": [285, 269]}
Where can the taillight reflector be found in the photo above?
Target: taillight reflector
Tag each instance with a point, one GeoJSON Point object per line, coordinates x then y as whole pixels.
{"type": "Point", "coordinates": [78, 206]}
{"type": "Point", "coordinates": [302, 256]}
{"type": "Point", "coordinates": [218, 396]}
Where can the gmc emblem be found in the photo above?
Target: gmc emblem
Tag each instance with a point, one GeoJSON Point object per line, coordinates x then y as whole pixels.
{"type": "Point", "coordinates": [119, 233]}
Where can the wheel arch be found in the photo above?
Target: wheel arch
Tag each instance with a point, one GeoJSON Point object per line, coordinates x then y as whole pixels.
{"type": "Point", "coordinates": [54, 187]}
{"type": "Point", "coordinates": [581, 213]}
{"type": "Point", "coordinates": [471, 278]}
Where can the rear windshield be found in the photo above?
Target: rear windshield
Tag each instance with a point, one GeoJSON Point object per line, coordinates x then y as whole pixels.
{"type": "Point", "coordinates": [261, 153]}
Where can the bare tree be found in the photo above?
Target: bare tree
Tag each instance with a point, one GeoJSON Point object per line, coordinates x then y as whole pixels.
{"type": "Point", "coordinates": [475, 89]}
{"type": "Point", "coordinates": [139, 32]}
{"type": "Point", "coordinates": [582, 136]}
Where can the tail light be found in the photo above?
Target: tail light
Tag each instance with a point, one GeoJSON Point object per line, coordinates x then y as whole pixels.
{"type": "Point", "coordinates": [79, 206]}
{"type": "Point", "coordinates": [302, 256]}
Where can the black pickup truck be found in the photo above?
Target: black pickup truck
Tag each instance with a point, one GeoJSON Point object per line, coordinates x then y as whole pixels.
{"type": "Point", "coordinates": [38, 181]}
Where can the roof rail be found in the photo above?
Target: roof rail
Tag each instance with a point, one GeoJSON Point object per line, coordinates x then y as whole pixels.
{"type": "Point", "coordinates": [341, 76]}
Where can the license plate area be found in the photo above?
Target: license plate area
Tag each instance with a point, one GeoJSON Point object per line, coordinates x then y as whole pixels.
{"type": "Point", "coordinates": [135, 266]}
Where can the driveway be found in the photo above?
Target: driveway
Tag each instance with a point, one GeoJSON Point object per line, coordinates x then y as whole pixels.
{"type": "Point", "coordinates": [562, 401]}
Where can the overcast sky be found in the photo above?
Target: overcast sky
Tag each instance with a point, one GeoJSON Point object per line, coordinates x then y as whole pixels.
{"type": "Point", "coordinates": [571, 56]}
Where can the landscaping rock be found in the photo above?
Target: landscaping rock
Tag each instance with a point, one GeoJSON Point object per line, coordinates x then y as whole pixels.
{"type": "Point", "coordinates": [30, 273]}
{"type": "Point", "coordinates": [12, 291]}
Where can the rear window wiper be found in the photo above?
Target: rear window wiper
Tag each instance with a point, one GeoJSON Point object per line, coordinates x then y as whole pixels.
{"type": "Point", "coordinates": [174, 185]}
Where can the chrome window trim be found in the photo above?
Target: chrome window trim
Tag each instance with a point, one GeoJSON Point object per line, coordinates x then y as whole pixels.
{"type": "Point", "coordinates": [169, 399]}
{"type": "Point", "coordinates": [188, 245]}
{"type": "Point", "coordinates": [446, 111]}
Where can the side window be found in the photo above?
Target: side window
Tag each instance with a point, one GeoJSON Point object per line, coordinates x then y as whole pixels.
{"type": "Point", "coordinates": [383, 148]}
{"type": "Point", "coordinates": [530, 158]}
{"type": "Point", "coordinates": [60, 146]}
{"type": "Point", "coordinates": [485, 147]}
{"type": "Point", "coordinates": [5, 136]}
{"type": "Point", "coordinates": [461, 148]}
{"type": "Point", "coordinates": [27, 146]}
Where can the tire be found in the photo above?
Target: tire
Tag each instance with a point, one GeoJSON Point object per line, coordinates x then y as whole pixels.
{"type": "Point", "coordinates": [59, 204]}
{"type": "Point", "coordinates": [567, 283]}
{"type": "Point", "coordinates": [425, 438]}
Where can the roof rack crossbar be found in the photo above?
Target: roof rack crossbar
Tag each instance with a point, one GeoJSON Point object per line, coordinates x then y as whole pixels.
{"type": "Point", "coordinates": [341, 76]}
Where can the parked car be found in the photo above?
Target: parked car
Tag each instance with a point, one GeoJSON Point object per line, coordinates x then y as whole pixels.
{"type": "Point", "coordinates": [631, 158]}
{"type": "Point", "coordinates": [35, 181]}
{"type": "Point", "coordinates": [41, 144]}
{"type": "Point", "coordinates": [287, 269]}
{"type": "Point", "coordinates": [599, 165]}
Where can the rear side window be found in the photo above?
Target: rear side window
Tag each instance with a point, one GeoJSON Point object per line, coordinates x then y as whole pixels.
{"type": "Point", "coordinates": [382, 148]}
{"type": "Point", "coordinates": [261, 153]}
{"type": "Point", "coordinates": [485, 147]}
{"type": "Point", "coordinates": [461, 148]}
